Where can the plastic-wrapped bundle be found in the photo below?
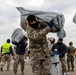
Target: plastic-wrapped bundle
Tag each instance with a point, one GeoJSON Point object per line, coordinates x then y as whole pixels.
{"type": "Point", "coordinates": [44, 19]}
{"type": "Point", "coordinates": [55, 69]}
{"type": "Point", "coordinates": [17, 35]}
{"type": "Point", "coordinates": [74, 18]}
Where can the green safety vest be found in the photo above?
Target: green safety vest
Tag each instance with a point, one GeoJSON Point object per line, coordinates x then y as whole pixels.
{"type": "Point", "coordinates": [6, 48]}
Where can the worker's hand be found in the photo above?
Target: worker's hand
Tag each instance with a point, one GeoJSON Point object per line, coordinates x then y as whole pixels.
{"type": "Point", "coordinates": [61, 54]}
{"type": "Point", "coordinates": [51, 23]}
{"type": "Point", "coordinates": [52, 54]}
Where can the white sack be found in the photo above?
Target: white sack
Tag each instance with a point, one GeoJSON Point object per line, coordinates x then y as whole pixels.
{"type": "Point", "coordinates": [17, 35]}
{"type": "Point", "coordinates": [55, 69]}
{"type": "Point", "coordinates": [43, 17]}
{"type": "Point", "coordinates": [74, 18]}
{"type": "Point", "coordinates": [61, 33]}
{"type": "Point", "coordinates": [55, 58]}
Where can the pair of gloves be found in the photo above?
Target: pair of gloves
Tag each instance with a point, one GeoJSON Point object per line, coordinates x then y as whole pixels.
{"type": "Point", "coordinates": [51, 23]}
{"type": "Point", "coordinates": [61, 54]}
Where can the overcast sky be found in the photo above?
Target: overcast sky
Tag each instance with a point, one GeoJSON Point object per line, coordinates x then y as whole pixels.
{"type": "Point", "coordinates": [10, 16]}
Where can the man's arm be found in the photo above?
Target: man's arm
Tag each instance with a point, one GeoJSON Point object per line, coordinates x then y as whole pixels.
{"type": "Point", "coordinates": [34, 34]}
{"type": "Point", "coordinates": [65, 49]}
{"type": "Point", "coordinates": [53, 47]}
{"type": "Point", "coordinates": [11, 50]}
{"type": "Point", "coordinates": [15, 43]}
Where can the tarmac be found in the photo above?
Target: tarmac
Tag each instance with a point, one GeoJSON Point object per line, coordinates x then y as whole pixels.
{"type": "Point", "coordinates": [28, 70]}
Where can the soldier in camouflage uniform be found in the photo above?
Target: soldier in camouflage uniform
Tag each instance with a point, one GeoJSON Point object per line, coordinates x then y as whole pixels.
{"type": "Point", "coordinates": [20, 55]}
{"type": "Point", "coordinates": [70, 56]}
{"type": "Point", "coordinates": [39, 52]}
{"type": "Point", "coordinates": [51, 41]}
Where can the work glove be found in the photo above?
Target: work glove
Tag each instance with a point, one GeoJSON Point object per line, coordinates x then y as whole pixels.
{"type": "Point", "coordinates": [51, 23]}
{"type": "Point", "coordinates": [61, 54]}
{"type": "Point", "coordinates": [55, 51]}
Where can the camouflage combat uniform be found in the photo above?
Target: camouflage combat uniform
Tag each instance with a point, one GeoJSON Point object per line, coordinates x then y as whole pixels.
{"type": "Point", "coordinates": [39, 52]}
{"type": "Point", "coordinates": [6, 58]}
{"type": "Point", "coordinates": [70, 57]}
{"type": "Point", "coordinates": [18, 59]}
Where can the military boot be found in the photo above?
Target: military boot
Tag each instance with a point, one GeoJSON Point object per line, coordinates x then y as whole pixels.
{"type": "Point", "coordinates": [1, 69]}
{"type": "Point", "coordinates": [72, 69]}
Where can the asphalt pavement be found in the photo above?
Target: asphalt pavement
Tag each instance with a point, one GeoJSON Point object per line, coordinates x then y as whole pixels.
{"type": "Point", "coordinates": [27, 71]}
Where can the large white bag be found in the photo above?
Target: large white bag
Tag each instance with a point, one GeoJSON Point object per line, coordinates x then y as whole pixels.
{"type": "Point", "coordinates": [74, 18]}
{"type": "Point", "coordinates": [44, 17]}
{"type": "Point", "coordinates": [17, 35]}
{"type": "Point", "coordinates": [55, 70]}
